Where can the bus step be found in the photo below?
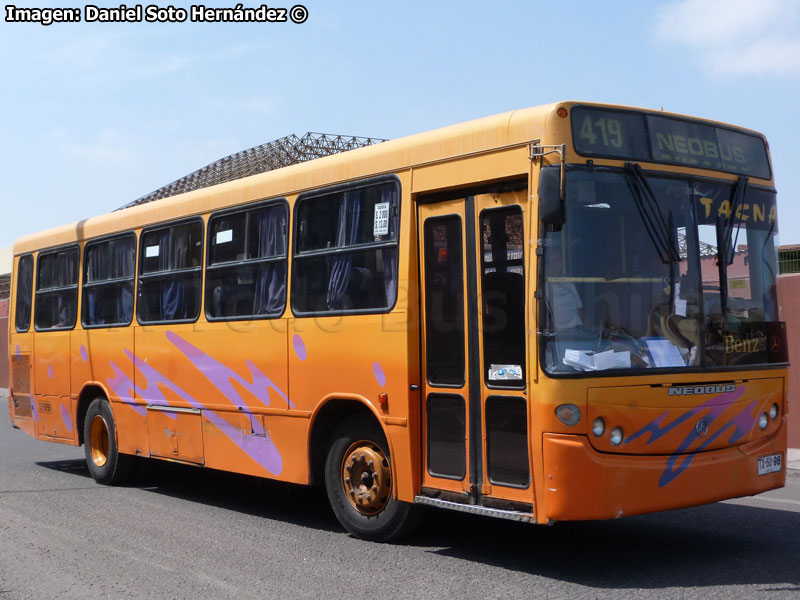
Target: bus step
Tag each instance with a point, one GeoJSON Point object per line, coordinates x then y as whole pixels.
{"type": "Point", "coordinates": [511, 515]}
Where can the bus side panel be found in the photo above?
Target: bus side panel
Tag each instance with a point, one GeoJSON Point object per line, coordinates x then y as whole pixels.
{"type": "Point", "coordinates": [51, 364]}
{"type": "Point", "coordinates": [235, 374]}
{"type": "Point", "coordinates": [256, 444]}
{"type": "Point", "coordinates": [51, 369]}
{"type": "Point", "coordinates": [357, 356]}
{"type": "Point", "coordinates": [106, 357]}
{"type": "Point", "coordinates": [244, 429]}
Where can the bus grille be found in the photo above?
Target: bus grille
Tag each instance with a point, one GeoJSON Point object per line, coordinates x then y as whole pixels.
{"type": "Point", "coordinates": [21, 374]}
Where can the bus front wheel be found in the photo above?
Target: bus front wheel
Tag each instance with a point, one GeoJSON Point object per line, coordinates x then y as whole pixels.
{"type": "Point", "coordinates": [359, 482]}
{"type": "Point", "coordinates": [105, 463]}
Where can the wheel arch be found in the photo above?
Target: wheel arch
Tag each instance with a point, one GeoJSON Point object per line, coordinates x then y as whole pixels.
{"type": "Point", "coordinates": [89, 391]}
{"type": "Point", "coordinates": [332, 410]}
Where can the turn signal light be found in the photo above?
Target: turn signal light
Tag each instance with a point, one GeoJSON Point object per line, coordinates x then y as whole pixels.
{"type": "Point", "coordinates": [568, 414]}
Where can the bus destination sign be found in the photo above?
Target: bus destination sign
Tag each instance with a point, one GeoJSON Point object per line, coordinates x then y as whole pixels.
{"type": "Point", "coordinates": [652, 138]}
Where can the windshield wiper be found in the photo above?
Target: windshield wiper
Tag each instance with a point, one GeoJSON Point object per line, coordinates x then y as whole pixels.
{"type": "Point", "coordinates": [659, 230]}
{"type": "Point", "coordinates": [727, 251]}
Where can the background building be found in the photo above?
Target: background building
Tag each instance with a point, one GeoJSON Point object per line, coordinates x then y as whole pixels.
{"type": "Point", "coordinates": [789, 299]}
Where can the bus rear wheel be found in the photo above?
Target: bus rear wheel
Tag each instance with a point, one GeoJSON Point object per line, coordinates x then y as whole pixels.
{"type": "Point", "coordinates": [359, 482]}
{"type": "Point", "coordinates": [105, 463]}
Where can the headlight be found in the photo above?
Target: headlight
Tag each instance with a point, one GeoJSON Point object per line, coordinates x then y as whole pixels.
{"type": "Point", "coordinates": [773, 411]}
{"type": "Point", "coordinates": [762, 421]}
{"type": "Point", "coordinates": [598, 427]}
{"type": "Point", "coordinates": [616, 436]}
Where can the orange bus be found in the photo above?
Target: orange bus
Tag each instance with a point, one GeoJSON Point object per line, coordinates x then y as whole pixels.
{"type": "Point", "coordinates": [559, 313]}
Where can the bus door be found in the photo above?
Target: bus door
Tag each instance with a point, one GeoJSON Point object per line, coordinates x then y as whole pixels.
{"type": "Point", "coordinates": [476, 446]}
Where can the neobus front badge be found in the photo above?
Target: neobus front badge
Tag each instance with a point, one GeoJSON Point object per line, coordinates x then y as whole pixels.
{"type": "Point", "coordinates": [695, 390]}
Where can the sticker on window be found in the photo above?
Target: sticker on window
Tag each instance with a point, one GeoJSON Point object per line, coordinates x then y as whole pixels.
{"type": "Point", "coordinates": [151, 251]}
{"type": "Point", "coordinates": [381, 225]}
{"type": "Point", "coordinates": [501, 372]}
{"type": "Point", "coordinates": [225, 236]}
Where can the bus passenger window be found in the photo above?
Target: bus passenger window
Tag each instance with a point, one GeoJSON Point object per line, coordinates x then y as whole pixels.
{"type": "Point", "coordinates": [57, 289]}
{"type": "Point", "coordinates": [503, 297]}
{"type": "Point", "coordinates": [108, 274]}
{"type": "Point", "coordinates": [24, 291]}
{"type": "Point", "coordinates": [246, 271]}
{"type": "Point", "coordinates": [345, 257]}
{"type": "Point", "coordinates": [444, 301]}
{"type": "Point", "coordinates": [170, 271]}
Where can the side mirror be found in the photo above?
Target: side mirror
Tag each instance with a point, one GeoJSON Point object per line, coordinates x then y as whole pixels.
{"type": "Point", "coordinates": [551, 196]}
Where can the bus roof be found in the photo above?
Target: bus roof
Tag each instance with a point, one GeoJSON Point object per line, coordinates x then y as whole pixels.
{"type": "Point", "coordinates": [508, 129]}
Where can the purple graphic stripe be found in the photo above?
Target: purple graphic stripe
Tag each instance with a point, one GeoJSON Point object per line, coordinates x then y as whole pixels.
{"type": "Point", "coordinates": [299, 346]}
{"type": "Point", "coordinates": [223, 377]}
{"type": "Point", "coordinates": [679, 461]}
{"type": "Point", "coordinates": [260, 448]}
{"type": "Point", "coordinates": [380, 376]}
{"type": "Point", "coordinates": [717, 405]}
{"type": "Point", "coordinates": [66, 418]}
{"type": "Point", "coordinates": [742, 423]}
{"type": "Point", "coordinates": [123, 387]}
{"type": "Point", "coordinates": [152, 391]}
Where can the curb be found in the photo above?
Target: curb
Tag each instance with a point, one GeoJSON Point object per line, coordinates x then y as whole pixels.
{"type": "Point", "coordinates": [793, 459]}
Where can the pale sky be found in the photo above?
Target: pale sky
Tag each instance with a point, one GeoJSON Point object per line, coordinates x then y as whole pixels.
{"type": "Point", "coordinates": [95, 115]}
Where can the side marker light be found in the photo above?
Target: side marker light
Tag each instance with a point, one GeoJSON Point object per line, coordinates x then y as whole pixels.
{"type": "Point", "coordinates": [568, 414]}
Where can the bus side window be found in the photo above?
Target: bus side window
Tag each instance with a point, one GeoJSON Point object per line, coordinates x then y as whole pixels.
{"type": "Point", "coordinates": [170, 272]}
{"type": "Point", "coordinates": [246, 270]}
{"type": "Point", "coordinates": [108, 282]}
{"type": "Point", "coordinates": [24, 299]}
{"type": "Point", "coordinates": [57, 289]}
{"type": "Point", "coordinates": [345, 257]}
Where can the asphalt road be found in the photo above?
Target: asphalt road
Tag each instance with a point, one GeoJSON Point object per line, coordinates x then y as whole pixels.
{"type": "Point", "coordinates": [183, 532]}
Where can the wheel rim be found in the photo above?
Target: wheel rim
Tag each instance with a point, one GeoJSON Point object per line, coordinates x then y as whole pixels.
{"type": "Point", "coordinates": [366, 477]}
{"type": "Point", "coordinates": [98, 441]}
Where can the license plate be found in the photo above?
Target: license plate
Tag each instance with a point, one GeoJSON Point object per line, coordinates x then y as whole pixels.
{"type": "Point", "coordinates": [770, 464]}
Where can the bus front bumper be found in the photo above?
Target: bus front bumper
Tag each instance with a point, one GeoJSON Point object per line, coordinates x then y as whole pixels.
{"type": "Point", "coordinates": [581, 483]}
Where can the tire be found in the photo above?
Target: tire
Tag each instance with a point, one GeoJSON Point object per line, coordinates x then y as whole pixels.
{"type": "Point", "coordinates": [105, 463]}
{"type": "Point", "coordinates": [360, 483]}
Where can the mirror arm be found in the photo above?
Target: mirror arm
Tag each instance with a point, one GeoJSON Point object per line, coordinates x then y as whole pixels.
{"type": "Point", "coordinates": [539, 151]}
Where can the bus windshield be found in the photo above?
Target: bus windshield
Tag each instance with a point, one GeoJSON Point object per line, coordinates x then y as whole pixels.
{"type": "Point", "coordinates": [660, 272]}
